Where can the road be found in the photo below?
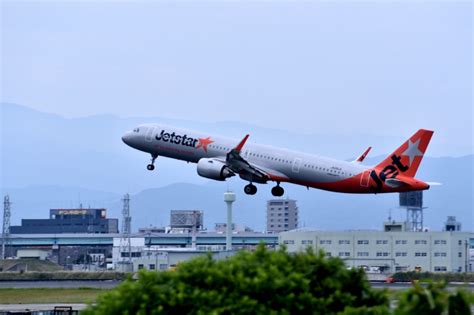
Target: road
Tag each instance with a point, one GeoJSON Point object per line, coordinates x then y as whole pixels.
{"type": "Point", "coordinates": [109, 284]}
{"type": "Point", "coordinates": [403, 286]}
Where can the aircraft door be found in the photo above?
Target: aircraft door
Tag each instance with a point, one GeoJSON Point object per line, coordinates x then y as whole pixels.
{"type": "Point", "coordinates": [365, 179]}
{"type": "Point", "coordinates": [296, 165]}
{"type": "Point", "coordinates": [149, 134]}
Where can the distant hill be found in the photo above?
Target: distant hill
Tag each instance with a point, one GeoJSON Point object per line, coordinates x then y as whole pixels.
{"type": "Point", "coordinates": [50, 161]}
{"type": "Point", "coordinates": [46, 149]}
{"type": "Point", "coordinates": [319, 209]}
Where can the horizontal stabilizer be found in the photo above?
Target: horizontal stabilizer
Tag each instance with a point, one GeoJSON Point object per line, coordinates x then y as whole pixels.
{"type": "Point", "coordinates": [395, 183]}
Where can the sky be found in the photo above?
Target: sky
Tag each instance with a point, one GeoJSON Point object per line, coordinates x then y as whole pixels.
{"type": "Point", "coordinates": [322, 67]}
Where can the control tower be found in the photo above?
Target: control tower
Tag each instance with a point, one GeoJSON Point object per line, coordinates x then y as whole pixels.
{"type": "Point", "coordinates": [229, 198]}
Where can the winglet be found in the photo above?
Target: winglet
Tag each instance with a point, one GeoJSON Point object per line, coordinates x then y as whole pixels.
{"type": "Point", "coordinates": [239, 147]}
{"type": "Point", "coordinates": [362, 157]}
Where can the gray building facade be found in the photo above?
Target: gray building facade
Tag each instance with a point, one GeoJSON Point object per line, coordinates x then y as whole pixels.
{"type": "Point", "coordinates": [282, 215]}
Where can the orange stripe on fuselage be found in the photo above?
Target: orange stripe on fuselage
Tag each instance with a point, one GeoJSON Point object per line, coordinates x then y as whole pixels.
{"type": "Point", "coordinates": [353, 185]}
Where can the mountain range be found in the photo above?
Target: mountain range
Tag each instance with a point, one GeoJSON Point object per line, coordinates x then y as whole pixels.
{"type": "Point", "coordinates": [50, 161]}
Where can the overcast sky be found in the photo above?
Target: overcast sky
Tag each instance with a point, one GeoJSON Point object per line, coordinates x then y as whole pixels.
{"type": "Point", "coordinates": [326, 67]}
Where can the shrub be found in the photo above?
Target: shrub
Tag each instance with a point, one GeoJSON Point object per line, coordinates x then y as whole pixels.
{"type": "Point", "coordinates": [433, 300]}
{"type": "Point", "coordinates": [262, 282]}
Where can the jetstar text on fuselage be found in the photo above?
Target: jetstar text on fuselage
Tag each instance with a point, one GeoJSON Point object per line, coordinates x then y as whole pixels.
{"type": "Point", "coordinates": [177, 139]}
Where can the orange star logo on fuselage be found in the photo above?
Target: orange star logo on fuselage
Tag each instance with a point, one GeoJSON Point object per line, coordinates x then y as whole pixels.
{"type": "Point", "coordinates": [204, 142]}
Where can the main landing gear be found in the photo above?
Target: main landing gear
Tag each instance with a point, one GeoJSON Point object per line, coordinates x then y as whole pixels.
{"type": "Point", "coordinates": [250, 189]}
{"type": "Point", "coordinates": [278, 191]}
{"type": "Point", "coordinates": [151, 166]}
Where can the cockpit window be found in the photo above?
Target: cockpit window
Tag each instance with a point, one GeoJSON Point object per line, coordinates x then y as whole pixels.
{"type": "Point", "coordinates": [136, 130]}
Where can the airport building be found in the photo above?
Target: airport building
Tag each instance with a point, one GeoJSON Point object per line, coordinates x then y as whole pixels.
{"type": "Point", "coordinates": [282, 215]}
{"type": "Point", "coordinates": [391, 250]}
{"type": "Point", "coordinates": [78, 220]}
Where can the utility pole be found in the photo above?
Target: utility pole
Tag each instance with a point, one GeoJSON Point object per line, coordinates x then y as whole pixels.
{"type": "Point", "coordinates": [6, 224]}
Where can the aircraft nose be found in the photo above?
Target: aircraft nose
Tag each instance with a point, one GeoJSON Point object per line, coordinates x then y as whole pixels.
{"type": "Point", "coordinates": [127, 138]}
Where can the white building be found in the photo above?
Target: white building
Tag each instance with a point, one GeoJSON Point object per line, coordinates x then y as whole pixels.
{"type": "Point", "coordinates": [390, 251]}
{"type": "Point", "coordinates": [157, 257]}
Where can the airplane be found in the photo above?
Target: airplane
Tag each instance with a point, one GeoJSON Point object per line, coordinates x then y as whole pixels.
{"type": "Point", "coordinates": [220, 158]}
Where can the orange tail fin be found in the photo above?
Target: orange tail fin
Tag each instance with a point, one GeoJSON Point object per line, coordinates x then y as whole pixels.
{"type": "Point", "coordinates": [407, 158]}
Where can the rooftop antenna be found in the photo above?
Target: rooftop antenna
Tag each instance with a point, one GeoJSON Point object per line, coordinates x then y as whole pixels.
{"type": "Point", "coordinates": [6, 224]}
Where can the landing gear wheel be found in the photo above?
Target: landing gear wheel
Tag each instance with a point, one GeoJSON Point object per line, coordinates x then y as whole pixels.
{"type": "Point", "coordinates": [151, 166]}
{"type": "Point", "coordinates": [250, 189]}
{"type": "Point", "coordinates": [278, 191]}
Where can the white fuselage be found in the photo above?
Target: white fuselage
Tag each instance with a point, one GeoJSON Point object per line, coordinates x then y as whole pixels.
{"type": "Point", "coordinates": [186, 145]}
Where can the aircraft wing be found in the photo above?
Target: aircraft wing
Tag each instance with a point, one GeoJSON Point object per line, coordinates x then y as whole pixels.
{"type": "Point", "coordinates": [246, 170]}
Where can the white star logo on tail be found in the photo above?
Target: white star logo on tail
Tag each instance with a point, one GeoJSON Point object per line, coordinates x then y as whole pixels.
{"type": "Point", "coordinates": [413, 150]}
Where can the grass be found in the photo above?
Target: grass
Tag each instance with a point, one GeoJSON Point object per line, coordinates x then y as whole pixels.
{"type": "Point", "coordinates": [49, 295]}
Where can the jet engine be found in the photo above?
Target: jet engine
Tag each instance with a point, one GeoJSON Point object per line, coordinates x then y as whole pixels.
{"type": "Point", "coordinates": [213, 169]}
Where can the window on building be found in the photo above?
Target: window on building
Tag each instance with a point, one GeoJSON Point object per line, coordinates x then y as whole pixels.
{"type": "Point", "coordinates": [344, 254]}
{"type": "Point", "coordinates": [440, 242]}
{"type": "Point", "coordinates": [401, 242]}
{"type": "Point", "coordinates": [421, 242]}
{"type": "Point", "coordinates": [440, 254]}
{"type": "Point", "coordinates": [400, 254]}
{"type": "Point", "coordinates": [140, 266]}
{"type": "Point", "coordinates": [289, 242]}
{"type": "Point", "coordinates": [363, 242]}
{"type": "Point", "coordinates": [328, 254]}
{"type": "Point", "coordinates": [440, 268]}
{"type": "Point", "coordinates": [163, 266]}
{"type": "Point", "coordinates": [307, 242]}
{"type": "Point", "coordinates": [327, 242]}
{"type": "Point", "coordinates": [420, 254]}
{"type": "Point", "coordinates": [363, 254]}
{"type": "Point", "coordinates": [460, 254]}
{"type": "Point", "coordinates": [382, 254]}
{"type": "Point", "coordinates": [151, 267]}
{"type": "Point", "coordinates": [381, 242]}
{"type": "Point", "coordinates": [344, 242]}
{"type": "Point", "coordinates": [460, 242]}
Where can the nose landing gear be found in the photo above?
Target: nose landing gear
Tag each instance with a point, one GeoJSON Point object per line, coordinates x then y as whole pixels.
{"type": "Point", "coordinates": [250, 189]}
{"type": "Point", "coordinates": [151, 166]}
{"type": "Point", "coordinates": [278, 191]}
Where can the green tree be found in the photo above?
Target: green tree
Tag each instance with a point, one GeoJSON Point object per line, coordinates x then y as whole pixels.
{"type": "Point", "coordinates": [433, 299]}
{"type": "Point", "coordinates": [260, 282]}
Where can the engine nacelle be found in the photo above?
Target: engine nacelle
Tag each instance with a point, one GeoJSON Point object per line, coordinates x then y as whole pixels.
{"type": "Point", "coordinates": [213, 169]}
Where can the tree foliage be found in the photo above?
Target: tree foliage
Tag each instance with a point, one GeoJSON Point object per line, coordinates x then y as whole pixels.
{"type": "Point", "coordinates": [271, 282]}
{"type": "Point", "coordinates": [260, 282]}
{"type": "Point", "coordinates": [434, 299]}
